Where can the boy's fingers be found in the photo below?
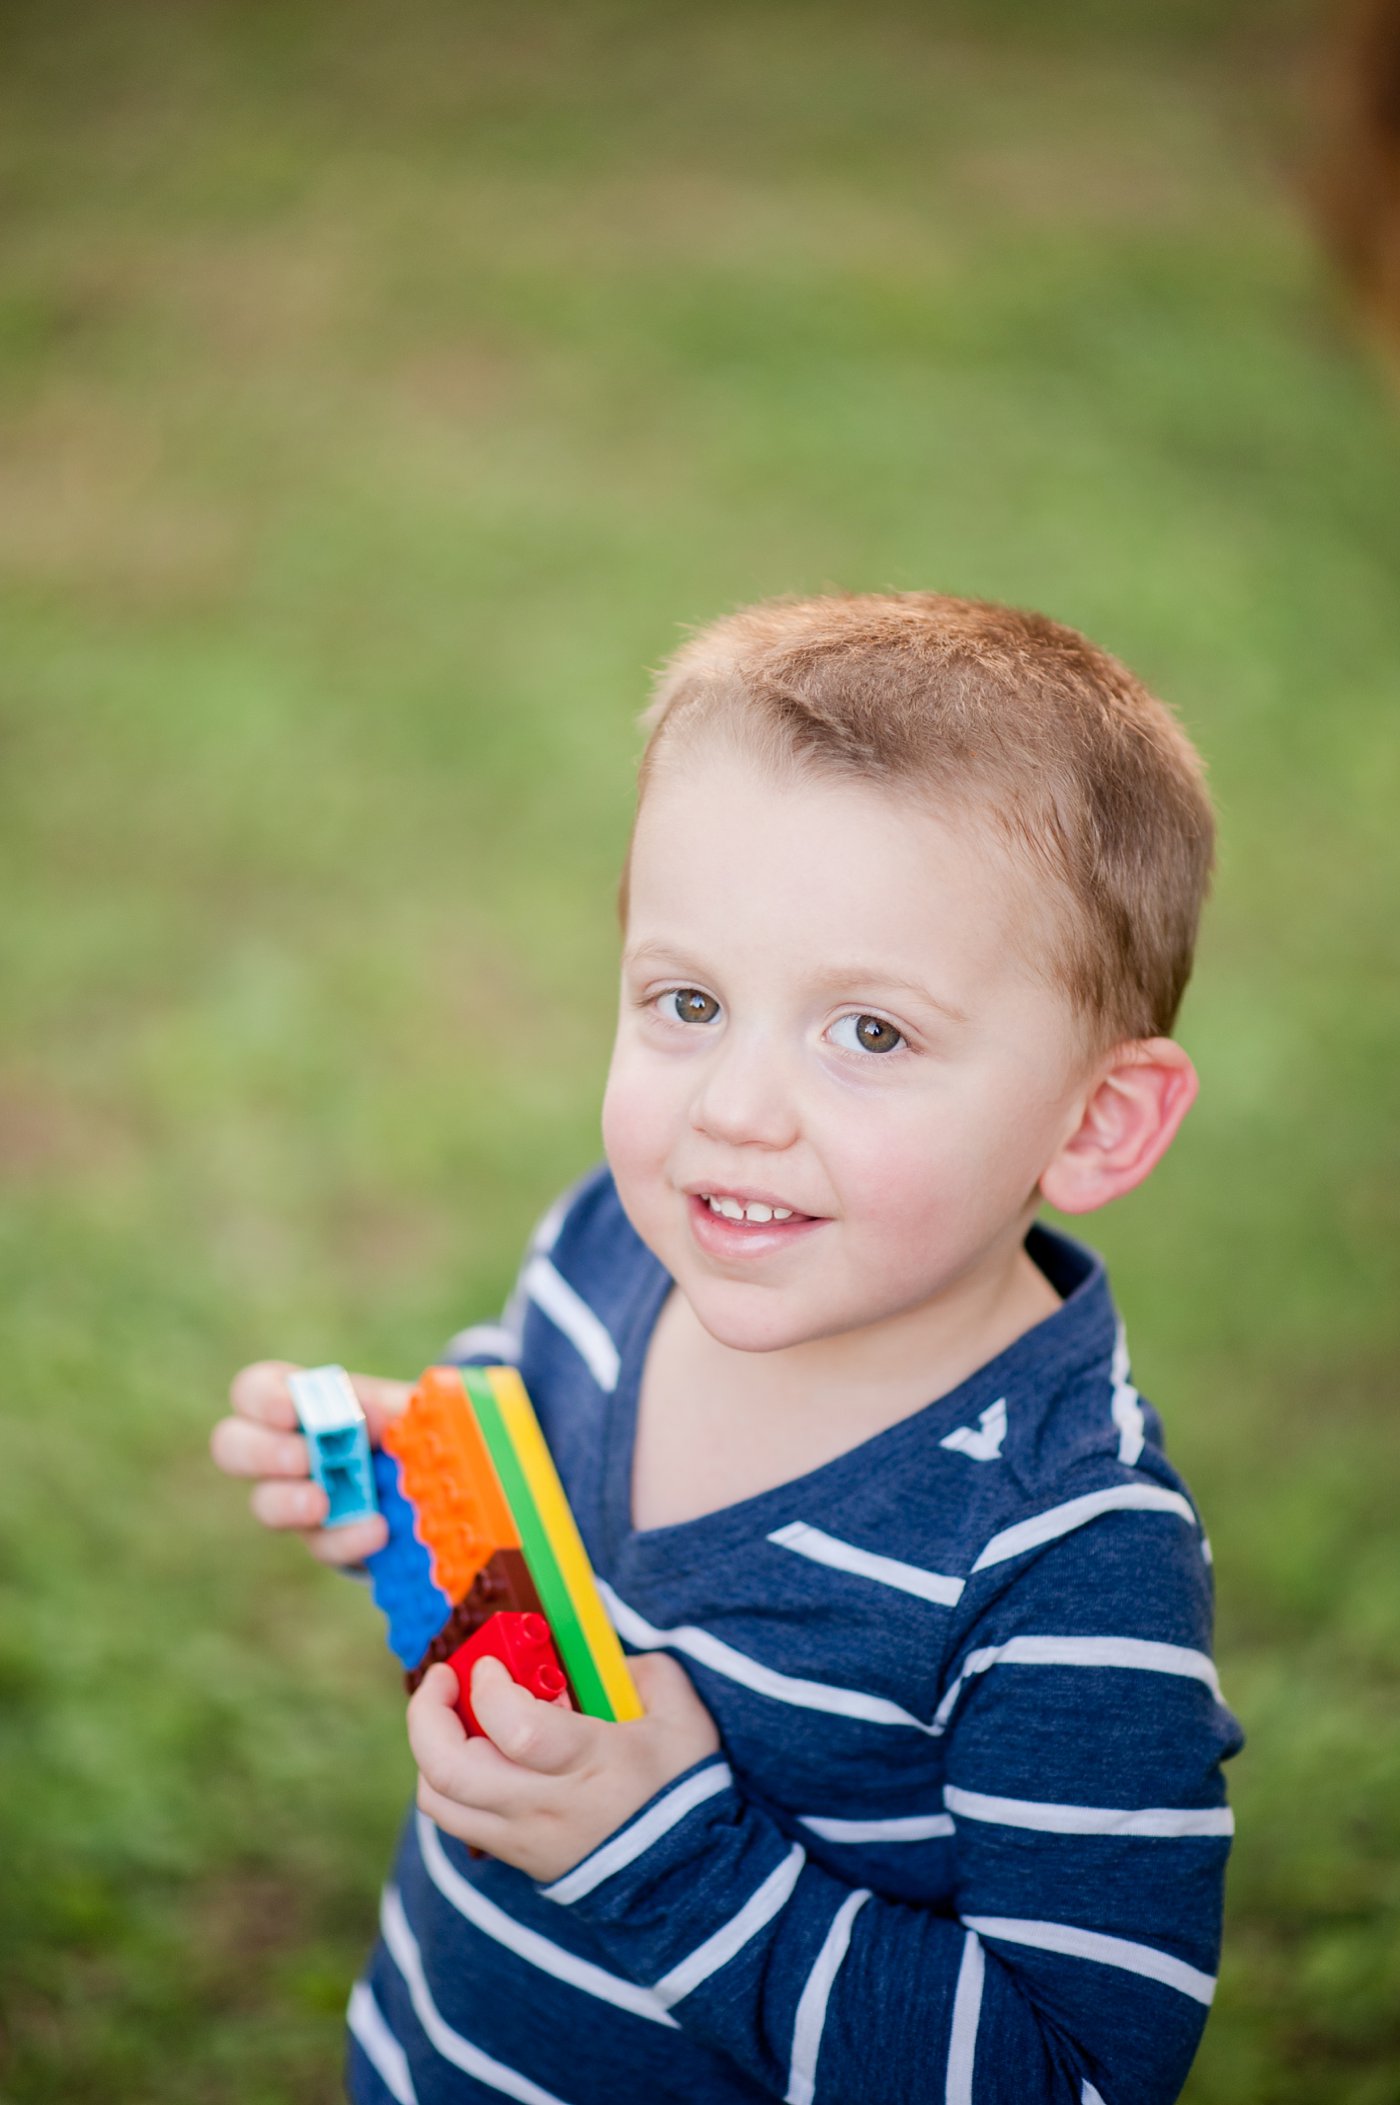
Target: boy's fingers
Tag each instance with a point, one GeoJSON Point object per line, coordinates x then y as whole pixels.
{"type": "Point", "coordinates": [242, 1448]}
{"type": "Point", "coordinates": [260, 1392]}
{"type": "Point", "coordinates": [435, 1732]}
{"type": "Point", "coordinates": [539, 1736]}
{"type": "Point", "coordinates": [467, 1823]}
{"type": "Point", "coordinates": [300, 1509]}
{"type": "Point", "coordinates": [468, 1769]}
{"type": "Point", "coordinates": [279, 1503]}
{"type": "Point", "coordinates": [349, 1544]}
{"type": "Point", "coordinates": [665, 1687]}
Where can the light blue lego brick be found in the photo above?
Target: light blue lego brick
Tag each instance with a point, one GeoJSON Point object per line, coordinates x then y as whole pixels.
{"type": "Point", "coordinates": [337, 1442]}
{"type": "Point", "coordinates": [401, 1574]}
{"type": "Point", "coordinates": [341, 1465]}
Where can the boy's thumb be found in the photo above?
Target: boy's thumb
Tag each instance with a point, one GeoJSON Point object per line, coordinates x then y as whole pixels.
{"type": "Point", "coordinates": [542, 1736]}
{"type": "Point", "coordinates": [382, 1401]}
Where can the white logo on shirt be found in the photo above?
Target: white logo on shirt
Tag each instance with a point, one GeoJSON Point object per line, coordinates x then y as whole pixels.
{"type": "Point", "coordinates": [983, 1446]}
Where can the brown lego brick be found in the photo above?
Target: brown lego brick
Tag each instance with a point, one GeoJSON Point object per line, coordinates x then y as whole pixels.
{"type": "Point", "coordinates": [503, 1582]}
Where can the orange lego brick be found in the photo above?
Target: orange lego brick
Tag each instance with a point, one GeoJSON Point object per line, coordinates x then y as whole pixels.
{"type": "Point", "coordinates": [446, 1471]}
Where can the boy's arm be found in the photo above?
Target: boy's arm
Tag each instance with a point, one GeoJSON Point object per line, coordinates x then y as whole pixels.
{"type": "Point", "coordinates": [1082, 1778]}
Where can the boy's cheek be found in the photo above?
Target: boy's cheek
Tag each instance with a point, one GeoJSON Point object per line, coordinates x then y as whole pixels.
{"type": "Point", "coordinates": [615, 1093]}
{"type": "Point", "coordinates": [635, 1124]}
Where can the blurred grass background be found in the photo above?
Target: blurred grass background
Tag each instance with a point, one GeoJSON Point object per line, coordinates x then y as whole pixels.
{"type": "Point", "coordinates": [382, 390]}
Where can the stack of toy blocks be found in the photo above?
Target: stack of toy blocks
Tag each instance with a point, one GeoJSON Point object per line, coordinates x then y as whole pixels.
{"type": "Point", "coordinates": [483, 1552]}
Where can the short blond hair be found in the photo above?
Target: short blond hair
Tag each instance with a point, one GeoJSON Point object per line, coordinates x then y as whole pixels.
{"type": "Point", "coordinates": [971, 708]}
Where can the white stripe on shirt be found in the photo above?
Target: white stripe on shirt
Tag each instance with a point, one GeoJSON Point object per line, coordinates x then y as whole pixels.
{"type": "Point", "coordinates": [545, 1233]}
{"type": "Point", "coordinates": [967, 2015]}
{"type": "Point", "coordinates": [1125, 1403]}
{"type": "Point", "coordinates": [1062, 1520]}
{"type": "Point", "coordinates": [866, 1564]}
{"type": "Point", "coordinates": [906, 1827]}
{"type": "Point", "coordinates": [716, 1951]}
{"type": "Point", "coordinates": [751, 1673]}
{"type": "Point", "coordinates": [811, 2007]}
{"type": "Point", "coordinates": [1158, 1820]}
{"type": "Point", "coordinates": [528, 1944]}
{"type": "Point", "coordinates": [1141, 1653]}
{"type": "Point", "coordinates": [368, 2024]}
{"type": "Point", "coordinates": [639, 1835]}
{"type": "Point", "coordinates": [1073, 1943]}
{"type": "Point", "coordinates": [543, 1238]}
{"type": "Point", "coordinates": [553, 1295]}
{"type": "Point", "coordinates": [472, 2060]}
{"type": "Point", "coordinates": [497, 1339]}
{"type": "Point", "coordinates": [1088, 2095]}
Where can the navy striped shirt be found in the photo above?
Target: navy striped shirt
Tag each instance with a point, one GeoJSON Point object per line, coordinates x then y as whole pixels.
{"type": "Point", "coordinates": [966, 1837]}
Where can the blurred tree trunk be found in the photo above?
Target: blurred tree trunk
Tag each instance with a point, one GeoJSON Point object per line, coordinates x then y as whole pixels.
{"type": "Point", "coordinates": [1360, 176]}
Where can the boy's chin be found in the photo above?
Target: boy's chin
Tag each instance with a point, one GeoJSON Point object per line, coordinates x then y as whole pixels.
{"type": "Point", "coordinates": [748, 1319]}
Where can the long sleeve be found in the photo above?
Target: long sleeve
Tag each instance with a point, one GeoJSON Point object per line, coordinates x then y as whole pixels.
{"type": "Point", "coordinates": [1079, 1737]}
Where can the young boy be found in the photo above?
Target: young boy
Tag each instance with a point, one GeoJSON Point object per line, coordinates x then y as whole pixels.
{"type": "Point", "coordinates": [927, 1800]}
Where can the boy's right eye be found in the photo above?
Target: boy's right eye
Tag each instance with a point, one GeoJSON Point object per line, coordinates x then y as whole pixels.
{"type": "Point", "coordinates": [688, 1005]}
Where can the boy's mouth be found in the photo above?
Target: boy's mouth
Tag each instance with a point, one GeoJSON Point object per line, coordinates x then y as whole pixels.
{"type": "Point", "coordinates": [724, 1221]}
{"type": "Point", "coordinates": [756, 1211]}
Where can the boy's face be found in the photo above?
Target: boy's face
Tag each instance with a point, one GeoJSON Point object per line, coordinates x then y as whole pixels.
{"type": "Point", "coordinates": [826, 1009]}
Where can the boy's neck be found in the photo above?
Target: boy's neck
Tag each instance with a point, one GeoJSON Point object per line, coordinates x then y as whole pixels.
{"type": "Point", "coordinates": [885, 1372]}
{"type": "Point", "coordinates": [716, 1425]}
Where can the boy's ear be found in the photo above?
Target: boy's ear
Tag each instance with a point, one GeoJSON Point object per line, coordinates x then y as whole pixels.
{"type": "Point", "coordinates": [1128, 1121]}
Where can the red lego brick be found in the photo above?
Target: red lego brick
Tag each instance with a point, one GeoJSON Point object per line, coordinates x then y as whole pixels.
{"type": "Point", "coordinates": [525, 1647]}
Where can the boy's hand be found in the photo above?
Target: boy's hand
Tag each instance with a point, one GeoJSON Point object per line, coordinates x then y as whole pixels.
{"type": "Point", "coordinates": [262, 1440]}
{"type": "Point", "coordinates": [546, 1786]}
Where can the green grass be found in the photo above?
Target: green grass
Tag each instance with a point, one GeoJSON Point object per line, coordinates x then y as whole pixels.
{"type": "Point", "coordinates": [384, 388]}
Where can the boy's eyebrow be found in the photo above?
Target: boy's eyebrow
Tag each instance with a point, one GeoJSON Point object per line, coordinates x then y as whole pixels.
{"type": "Point", "coordinates": [830, 978]}
{"type": "Point", "coordinates": [877, 975]}
{"type": "Point", "coordinates": [648, 953]}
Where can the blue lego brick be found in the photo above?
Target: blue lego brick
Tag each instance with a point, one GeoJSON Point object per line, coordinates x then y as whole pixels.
{"type": "Point", "coordinates": [401, 1574]}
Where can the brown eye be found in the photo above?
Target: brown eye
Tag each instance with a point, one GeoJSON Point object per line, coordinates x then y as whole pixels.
{"type": "Point", "coordinates": [867, 1034]}
{"type": "Point", "coordinates": [692, 1006]}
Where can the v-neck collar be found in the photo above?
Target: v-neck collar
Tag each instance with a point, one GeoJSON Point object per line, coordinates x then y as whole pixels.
{"type": "Point", "coordinates": [1080, 1329]}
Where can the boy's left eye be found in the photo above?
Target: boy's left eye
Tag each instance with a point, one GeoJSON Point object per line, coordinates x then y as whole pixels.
{"type": "Point", "coordinates": [692, 1005]}
{"type": "Point", "coordinates": [866, 1034]}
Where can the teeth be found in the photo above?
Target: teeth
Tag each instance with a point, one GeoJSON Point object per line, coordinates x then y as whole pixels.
{"type": "Point", "coordinates": [757, 1212]}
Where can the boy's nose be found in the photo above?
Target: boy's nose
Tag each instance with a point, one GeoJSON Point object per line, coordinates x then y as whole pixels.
{"type": "Point", "coordinates": [745, 1097]}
